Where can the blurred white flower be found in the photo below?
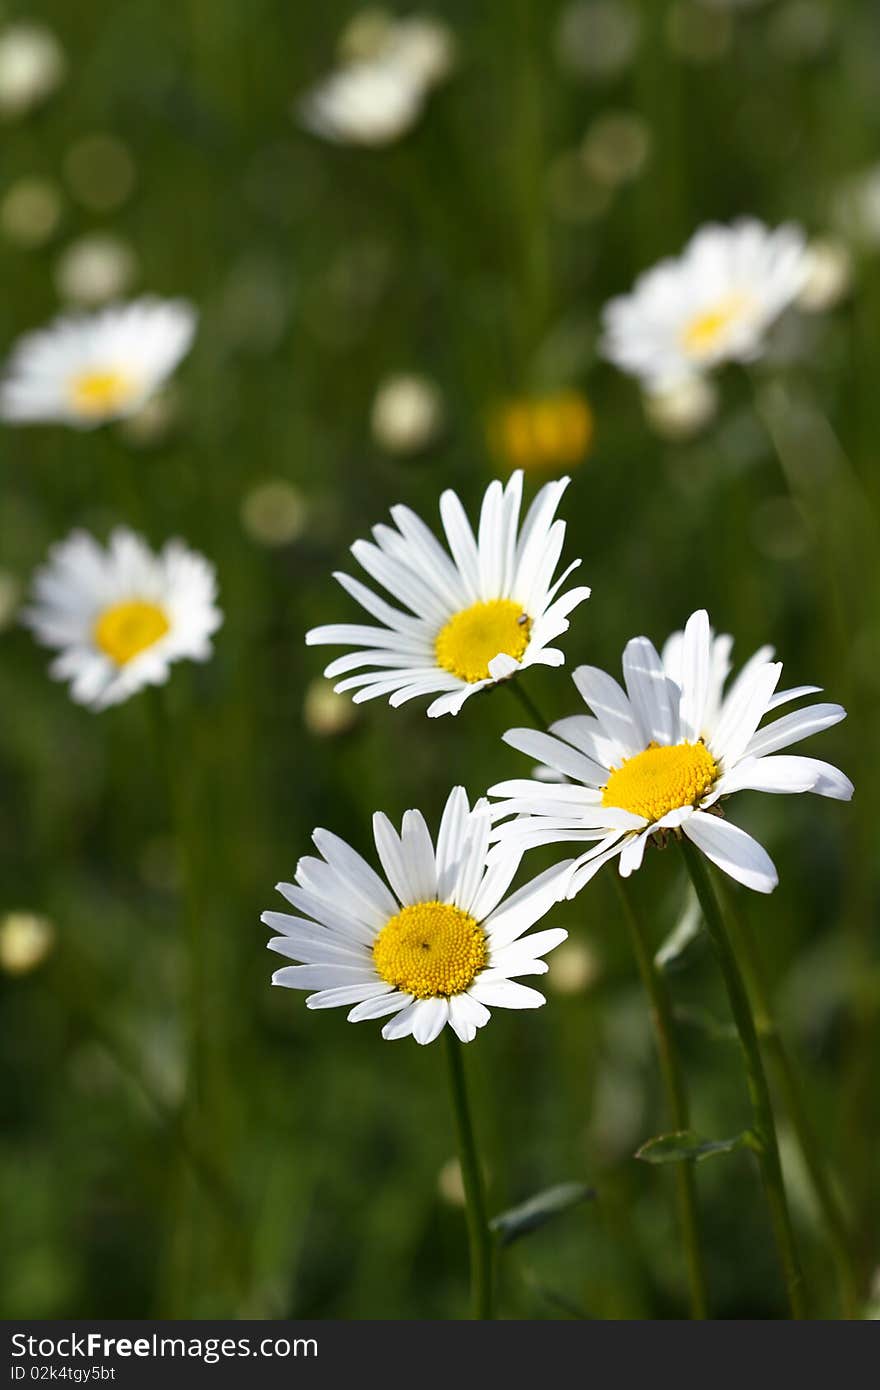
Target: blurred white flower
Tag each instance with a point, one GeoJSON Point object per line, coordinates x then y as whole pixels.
{"type": "Point", "coordinates": [856, 207]}
{"type": "Point", "coordinates": [155, 420]}
{"type": "Point", "coordinates": [32, 65]}
{"type": "Point", "coordinates": [120, 616]}
{"type": "Point", "coordinates": [85, 369]}
{"type": "Point", "coordinates": [25, 941]}
{"type": "Point", "coordinates": [407, 413]}
{"type": "Point", "coordinates": [682, 409]}
{"type": "Point", "coordinates": [30, 211]}
{"type": "Point", "coordinates": [274, 512]}
{"type": "Point", "coordinates": [574, 967]}
{"type": "Point", "coordinates": [94, 269]}
{"type": "Point", "coordinates": [100, 171]}
{"type": "Point", "coordinates": [324, 712]}
{"type": "Point", "coordinates": [379, 91]}
{"type": "Point", "coordinates": [450, 1184]}
{"type": "Point", "coordinates": [713, 304]}
{"type": "Point", "coordinates": [597, 38]}
{"type": "Point", "coordinates": [364, 104]}
{"type": "Point", "coordinates": [616, 147]}
{"type": "Point", "coordinates": [829, 275]}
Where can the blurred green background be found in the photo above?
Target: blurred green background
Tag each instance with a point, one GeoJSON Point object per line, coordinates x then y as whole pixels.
{"type": "Point", "coordinates": [568, 148]}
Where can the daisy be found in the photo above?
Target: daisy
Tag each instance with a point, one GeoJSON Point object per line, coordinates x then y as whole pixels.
{"type": "Point", "coordinates": [714, 304]}
{"type": "Point", "coordinates": [85, 369]}
{"type": "Point", "coordinates": [476, 618]}
{"type": "Point", "coordinates": [437, 942]}
{"type": "Point", "coordinates": [379, 91]}
{"type": "Point", "coordinates": [660, 756]}
{"type": "Point", "coordinates": [119, 616]}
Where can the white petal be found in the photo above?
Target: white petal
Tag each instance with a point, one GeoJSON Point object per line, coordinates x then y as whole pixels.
{"type": "Point", "coordinates": [695, 664]}
{"type": "Point", "coordinates": [527, 906]}
{"type": "Point", "coordinates": [742, 712]}
{"type": "Point", "coordinates": [733, 851]}
{"type": "Point", "coordinates": [611, 707]}
{"type": "Point", "coordinates": [653, 696]}
{"type": "Point", "coordinates": [429, 1018]}
{"type": "Point", "coordinates": [379, 1006]}
{"type": "Point", "coordinates": [466, 1015]}
{"type": "Point", "coordinates": [791, 728]}
{"type": "Point", "coordinates": [505, 994]}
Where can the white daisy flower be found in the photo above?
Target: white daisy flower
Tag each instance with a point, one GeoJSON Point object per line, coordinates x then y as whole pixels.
{"type": "Point", "coordinates": [379, 93]}
{"type": "Point", "coordinates": [120, 616]}
{"type": "Point", "coordinates": [714, 304]}
{"type": "Point", "coordinates": [368, 103]}
{"type": "Point", "coordinates": [478, 617]}
{"type": "Point", "coordinates": [435, 944]}
{"type": "Point", "coordinates": [85, 369]}
{"type": "Point", "coordinates": [661, 755]}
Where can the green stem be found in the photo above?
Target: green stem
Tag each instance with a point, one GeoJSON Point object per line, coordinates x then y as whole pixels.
{"type": "Point", "coordinates": [516, 689]}
{"type": "Point", "coordinates": [676, 1098]}
{"type": "Point", "coordinates": [472, 1177]}
{"type": "Point", "coordinates": [759, 1093]}
{"type": "Point", "coordinates": [787, 1078]}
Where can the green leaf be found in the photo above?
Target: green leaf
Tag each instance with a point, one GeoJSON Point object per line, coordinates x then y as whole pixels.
{"type": "Point", "coordinates": [687, 1144]}
{"type": "Point", "coordinates": [521, 1220]}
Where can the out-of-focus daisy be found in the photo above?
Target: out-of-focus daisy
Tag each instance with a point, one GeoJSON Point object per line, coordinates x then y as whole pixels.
{"type": "Point", "coordinates": [85, 369]}
{"type": "Point", "coordinates": [683, 408]}
{"type": "Point", "coordinates": [31, 66]}
{"type": "Point", "coordinates": [380, 90]}
{"type": "Point", "coordinates": [437, 943]}
{"type": "Point", "coordinates": [659, 756]}
{"type": "Point", "coordinates": [407, 413]}
{"type": "Point", "coordinates": [26, 938]}
{"type": "Point", "coordinates": [94, 269]}
{"type": "Point", "coordinates": [477, 617]}
{"type": "Point", "coordinates": [541, 433]}
{"type": "Point", "coordinates": [30, 212]}
{"type": "Point", "coordinates": [829, 275]}
{"type": "Point", "coordinates": [120, 616]}
{"type": "Point", "coordinates": [713, 304]}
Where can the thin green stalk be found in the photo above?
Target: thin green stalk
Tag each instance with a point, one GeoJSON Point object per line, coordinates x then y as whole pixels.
{"type": "Point", "coordinates": [787, 1079]}
{"type": "Point", "coordinates": [676, 1098]}
{"type": "Point", "coordinates": [759, 1093]}
{"type": "Point", "coordinates": [516, 689]}
{"type": "Point", "coordinates": [478, 1227]}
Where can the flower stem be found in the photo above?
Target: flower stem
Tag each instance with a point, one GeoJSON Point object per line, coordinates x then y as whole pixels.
{"type": "Point", "coordinates": [676, 1098]}
{"type": "Point", "coordinates": [472, 1177]}
{"type": "Point", "coordinates": [764, 1124]}
{"type": "Point", "coordinates": [787, 1078]}
{"type": "Point", "coordinates": [516, 689]}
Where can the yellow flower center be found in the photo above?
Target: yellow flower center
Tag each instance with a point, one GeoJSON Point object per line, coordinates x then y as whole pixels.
{"type": "Point", "coordinates": [661, 779]}
{"type": "Point", "coordinates": [704, 331]}
{"type": "Point", "coordinates": [100, 392]}
{"type": "Point", "coordinates": [469, 641]}
{"type": "Point", "coordinates": [126, 629]}
{"type": "Point", "coordinates": [431, 950]}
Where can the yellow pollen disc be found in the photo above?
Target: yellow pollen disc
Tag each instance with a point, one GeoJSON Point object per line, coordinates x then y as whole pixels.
{"type": "Point", "coordinates": [661, 779]}
{"type": "Point", "coordinates": [127, 629]}
{"type": "Point", "coordinates": [100, 392]}
{"type": "Point", "coordinates": [431, 950]}
{"type": "Point", "coordinates": [470, 640]}
{"type": "Point", "coordinates": [703, 332]}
